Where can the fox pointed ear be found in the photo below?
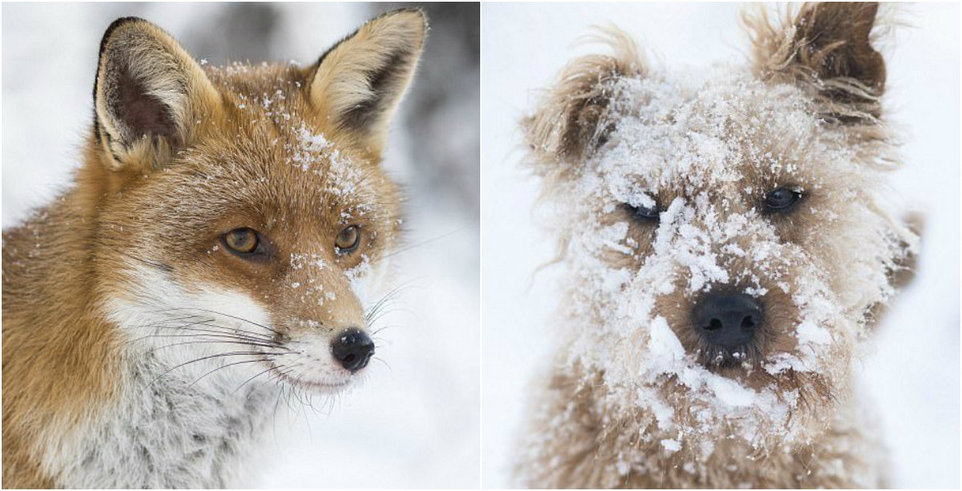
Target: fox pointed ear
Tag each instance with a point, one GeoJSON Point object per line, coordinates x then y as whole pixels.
{"type": "Point", "coordinates": [571, 119]}
{"type": "Point", "coordinates": [147, 95]}
{"type": "Point", "coordinates": [827, 50]}
{"type": "Point", "coordinates": [357, 84]}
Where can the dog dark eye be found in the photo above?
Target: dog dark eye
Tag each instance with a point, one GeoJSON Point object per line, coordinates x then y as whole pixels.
{"type": "Point", "coordinates": [244, 242]}
{"type": "Point", "coordinates": [782, 200]}
{"type": "Point", "coordinates": [643, 213]}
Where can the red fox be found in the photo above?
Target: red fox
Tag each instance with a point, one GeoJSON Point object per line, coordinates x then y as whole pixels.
{"type": "Point", "coordinates": [218, 246]}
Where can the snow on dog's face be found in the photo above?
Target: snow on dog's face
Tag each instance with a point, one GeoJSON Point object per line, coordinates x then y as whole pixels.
{"type": "Point", "coordinates": [726, 232]}
{"type": "Point", "coordinates": [262, 214]}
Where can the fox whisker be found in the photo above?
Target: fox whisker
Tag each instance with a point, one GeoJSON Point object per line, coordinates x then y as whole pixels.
{"type": "Point", "coordinates": [225, 315]}
{"type": "Point", "coordinates": [423, 242]}
{"type": "Point", "coordinates": [212, 332]}
{"type": "Point", "coordinates": [208, 357]}
{"type": "Point", "coordinates": [198, 379]}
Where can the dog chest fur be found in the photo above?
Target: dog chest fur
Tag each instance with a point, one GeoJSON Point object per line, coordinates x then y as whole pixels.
{"type": "Point", "coordinates": [594, 443]}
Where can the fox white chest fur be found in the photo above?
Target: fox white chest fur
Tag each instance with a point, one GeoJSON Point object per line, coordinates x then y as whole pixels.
{"type": "Point", "coordinates": [165, 431]}
{"type": "Point", "coordinates": [186, 414]}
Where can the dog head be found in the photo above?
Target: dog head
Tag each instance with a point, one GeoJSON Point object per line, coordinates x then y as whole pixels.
{"type": "Point", "coordinates": [242, 210]}
{"type": "Point", "coordinates": [727, 232]}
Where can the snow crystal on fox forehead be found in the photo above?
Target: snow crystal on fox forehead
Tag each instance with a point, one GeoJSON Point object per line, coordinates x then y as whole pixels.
{"type": "Point", "coordinates": [341, 173]}
{"type": "Point", "coordinates": [705, 129]}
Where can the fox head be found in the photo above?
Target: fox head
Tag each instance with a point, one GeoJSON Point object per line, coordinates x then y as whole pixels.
{"type": "Point", "coordinates": [727, 231]}
{"type": "Point", "coordinates": [241, 212]}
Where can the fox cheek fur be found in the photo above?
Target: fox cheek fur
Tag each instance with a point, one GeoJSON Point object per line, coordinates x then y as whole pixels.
{"type": "Point", "coordinates": [216, 248]}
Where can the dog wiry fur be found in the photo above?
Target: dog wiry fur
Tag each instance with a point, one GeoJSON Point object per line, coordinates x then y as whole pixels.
{"type": "Point", "coordinates": [671, 192]}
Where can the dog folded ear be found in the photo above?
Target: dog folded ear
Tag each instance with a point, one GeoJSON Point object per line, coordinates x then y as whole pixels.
{"type": "Point", "coordinates": [571, 119]}
{"type": "Point", "coordinates": [827, 50]}
{"type": "Point", "coordinates": [357, 84]}
{"type": "Point", "coordinates": [147, 95]}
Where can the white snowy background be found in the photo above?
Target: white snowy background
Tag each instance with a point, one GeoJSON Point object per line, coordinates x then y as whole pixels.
{"type": "Point", "coordinates": [912, 369]}
{"type": "Point", "coordinates": [415, 422]}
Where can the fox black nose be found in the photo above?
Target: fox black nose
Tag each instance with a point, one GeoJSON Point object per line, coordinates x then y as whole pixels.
{"type": "Point", "coordinates": [726, 320]}
{"type": "Point", "coordinates": [352, 349]}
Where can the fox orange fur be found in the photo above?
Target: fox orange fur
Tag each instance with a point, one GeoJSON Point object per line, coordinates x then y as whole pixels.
{"type": "Point", "coordinates": [218, 247]}
{"type": "Point", "coordinates": [728, 242]}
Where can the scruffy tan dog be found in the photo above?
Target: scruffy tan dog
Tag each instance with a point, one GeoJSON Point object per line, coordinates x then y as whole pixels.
{"type": "Point", "coordinates": [222, 248]}
{"type": "Point", "coordinates": [728, 241]}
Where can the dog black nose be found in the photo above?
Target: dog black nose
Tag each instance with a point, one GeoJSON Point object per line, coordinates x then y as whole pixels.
{"type": "Point", "coordinates": [727, 320]}
{"type": "Point", "coordinates": [352, 349]}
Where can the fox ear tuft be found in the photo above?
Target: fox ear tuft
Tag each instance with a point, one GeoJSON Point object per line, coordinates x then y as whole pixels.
{"type": "Point", "coordinates": [357, 84]}
{"type": "Point", "coordinates": [827, 50]}
{"type": "Point", "coordinates": [571, 119]}
{"type": "Point", "coordinates": [147, 94]}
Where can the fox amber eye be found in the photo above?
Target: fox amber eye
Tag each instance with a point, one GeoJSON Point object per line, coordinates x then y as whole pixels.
{"type": "Point", "coordinates": [782, 199]}
{"type": "Point", "coordinates": [348, 240]}
{"type": "Point", "coordinates": [242, 240]}
{"type": "Point", "coordinates": [643, 213]}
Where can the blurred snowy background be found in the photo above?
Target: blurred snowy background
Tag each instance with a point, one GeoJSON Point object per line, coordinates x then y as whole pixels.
{"type": "Point", "coordinates": [415, 422]}
{"type": "Point", "coordinates": [912, 369]}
